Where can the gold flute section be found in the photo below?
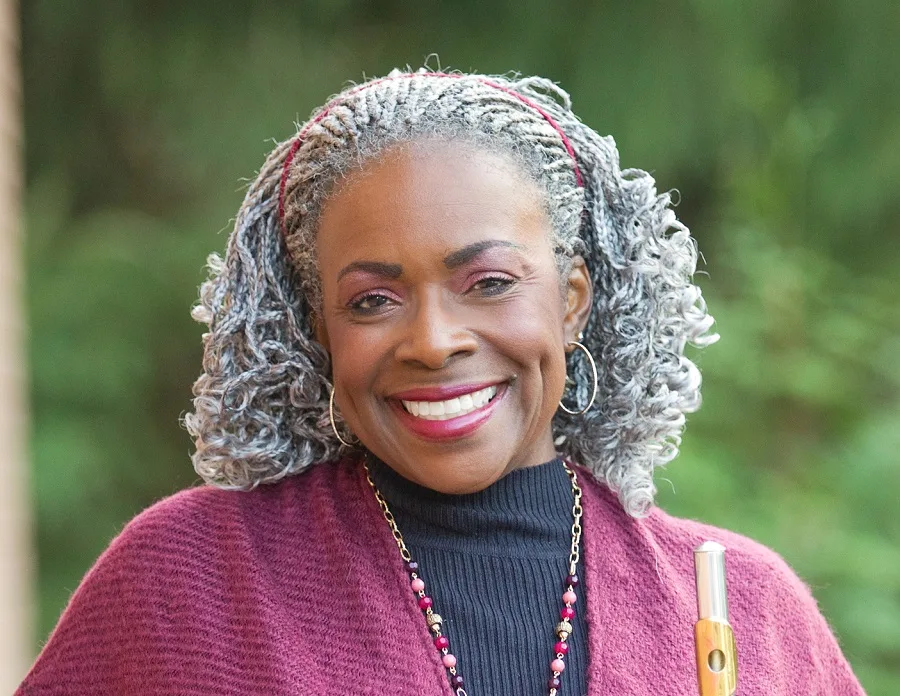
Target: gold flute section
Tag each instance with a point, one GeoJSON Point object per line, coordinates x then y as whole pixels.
{"type": "Point", "coordinates": [714, 639]}
{"type": "Point", "coordinates": [716, 658]}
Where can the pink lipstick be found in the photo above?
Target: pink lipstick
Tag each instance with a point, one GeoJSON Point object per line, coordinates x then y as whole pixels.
{"type": "Point", "coordinates": [423, 410]}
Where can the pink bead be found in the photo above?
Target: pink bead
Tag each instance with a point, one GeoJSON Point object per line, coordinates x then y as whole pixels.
{"type": "Point", "coordinates": [441, 642]}
{"type": "Point", "coordinates": [425, 603]}
{"type": "Point", "coordinates": [561, 647]}
{"type": "Point", "coordinates": [417, 585]}
{"type": "Point", "coordinates": [569, 598]}
{"type": "Point", "coordinates": [557, 665]}
{"type": "Point", "coordinates": [567, 613]}
{"type": "Point", "coordinates": [449, 660]}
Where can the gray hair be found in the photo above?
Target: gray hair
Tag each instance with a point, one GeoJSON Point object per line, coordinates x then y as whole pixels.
{"type": "Point", "coordinates": [261, 403]}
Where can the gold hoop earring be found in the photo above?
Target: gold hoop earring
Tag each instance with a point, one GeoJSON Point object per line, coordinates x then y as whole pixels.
{"type": "Point", "coordinates": [594, 376]}
{"type": "Point", "coordinates": [331, 418]}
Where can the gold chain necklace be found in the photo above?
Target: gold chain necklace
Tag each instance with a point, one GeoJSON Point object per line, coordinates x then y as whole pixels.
{"type": "Point", "coordinates": [441, 642]}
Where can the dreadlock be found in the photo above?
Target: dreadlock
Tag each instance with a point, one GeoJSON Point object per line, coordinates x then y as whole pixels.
{"type": "Point", "coordinates": [261, 403]}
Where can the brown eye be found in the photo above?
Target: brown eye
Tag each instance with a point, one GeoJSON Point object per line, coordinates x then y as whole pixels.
{"type": "Point", "coordinates": [369, 304]}
{"type": "Point", "coordinates": [492, 285]}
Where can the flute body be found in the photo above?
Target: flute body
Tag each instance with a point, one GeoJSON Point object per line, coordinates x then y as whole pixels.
{"type": "Point", "coordinates": [713, 636]}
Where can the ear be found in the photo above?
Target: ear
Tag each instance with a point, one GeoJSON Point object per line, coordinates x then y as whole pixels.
{"type": "Point", "coordinates": [579, 298]}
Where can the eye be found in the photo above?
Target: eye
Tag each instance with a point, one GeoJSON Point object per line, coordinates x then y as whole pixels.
{"type": "Point", "coordinates": [492, 285]}
{"type": "Point", "coordinates": [369, 303]}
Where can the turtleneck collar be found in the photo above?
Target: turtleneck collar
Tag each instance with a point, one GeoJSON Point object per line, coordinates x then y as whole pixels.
{"type": "Point", "coordinates": [528, 512]}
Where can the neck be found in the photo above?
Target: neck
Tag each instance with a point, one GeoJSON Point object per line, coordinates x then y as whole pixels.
{"type": "Point", "coordinates": [528, 508]}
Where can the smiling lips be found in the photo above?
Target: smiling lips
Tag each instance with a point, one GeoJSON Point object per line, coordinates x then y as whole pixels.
{"type": "Point", "coordinates": [443, 413]}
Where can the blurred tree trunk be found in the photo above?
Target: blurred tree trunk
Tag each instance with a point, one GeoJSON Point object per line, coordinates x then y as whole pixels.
{"type": "Point", "coordinates": [16, 561]}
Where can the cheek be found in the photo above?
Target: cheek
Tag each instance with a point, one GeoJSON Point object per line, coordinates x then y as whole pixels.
{"type": "Point", "coordinates": [530, 331]}
{"type": "Point", "coordinates": [555, 377]}
{"type": "Point", "coordinates": [355, 356]}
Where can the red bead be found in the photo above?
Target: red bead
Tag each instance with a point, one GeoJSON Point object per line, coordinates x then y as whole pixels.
{"type": "Point", "coordinates": [425, 603]}
{"type": "Point", "coordinates": [554, 683]}
{"type": "Point", "coordinates": [412, 567]}
{"type": "Point", "coordinates": [572, 580]}
{"type": "Point", "coordinates": [566, 613]}
{"type": "Point", "coordinates": [561, 647]}
{"type": "Point", "coordinates": [441, 642]}
{"type": "Point", "coordinates": [456, 681]}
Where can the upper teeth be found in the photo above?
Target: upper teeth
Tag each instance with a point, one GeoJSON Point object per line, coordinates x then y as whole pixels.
{"type": "Point", "coordinates": [451, 408]}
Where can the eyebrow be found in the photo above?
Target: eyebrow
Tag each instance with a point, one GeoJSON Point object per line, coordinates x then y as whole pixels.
{"type": "Point", "coordinates": [454, 259]}
{"type": "Point", "coordinates": [457, 258]}
{"type": "Point", "coordinates": [387, 270]}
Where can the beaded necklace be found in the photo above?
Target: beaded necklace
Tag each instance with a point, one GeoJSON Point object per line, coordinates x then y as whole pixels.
{"type": "Point", "coordinates": [433, 619]}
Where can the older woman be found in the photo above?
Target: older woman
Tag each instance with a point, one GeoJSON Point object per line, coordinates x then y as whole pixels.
{"type": "Point", "coordinates": [445, 355]}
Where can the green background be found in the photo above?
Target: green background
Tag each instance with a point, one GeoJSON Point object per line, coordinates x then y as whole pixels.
{"type": "Point", "coordinates": [778, 121]}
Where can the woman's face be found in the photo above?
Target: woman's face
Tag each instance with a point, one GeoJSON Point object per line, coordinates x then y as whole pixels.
{"type": "Point", "coordinates": [444, 316]}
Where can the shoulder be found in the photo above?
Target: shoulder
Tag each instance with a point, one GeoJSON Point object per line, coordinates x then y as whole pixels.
{"type": "Point", "coordinates": [199, 537]}
{"type": "Point", "coordinates": [200, 533]}
{"type": "Point", "coordinates": [203, 531]}
{"type": "Point", "coordinates": [750, 556]}
{"type": "Point", "coordinates": [205, 515]}
{"type": "Point", "coordinates": [674, 539]}
{"type": "Point", "coordinates": [773, 611]}
{"type": "Point", "coordinates": [758, 578]}
{"type": "Point", "coordinates": [785, 644]}
{"type": "Point", "coordinates": [179, 571]}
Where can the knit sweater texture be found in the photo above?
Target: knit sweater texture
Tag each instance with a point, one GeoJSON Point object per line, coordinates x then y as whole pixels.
{"type": "Point", "coordinates": [298, 588]}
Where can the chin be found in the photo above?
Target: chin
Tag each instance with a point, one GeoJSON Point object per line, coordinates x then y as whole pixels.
{"type": "Point", "coordinates": [457, 487]}
{"type": "Point", "coordinates": [454, 477]}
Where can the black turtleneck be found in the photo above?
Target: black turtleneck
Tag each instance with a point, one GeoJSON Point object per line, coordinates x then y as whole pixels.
{"type": "Point", "coordinates": [495, 562]}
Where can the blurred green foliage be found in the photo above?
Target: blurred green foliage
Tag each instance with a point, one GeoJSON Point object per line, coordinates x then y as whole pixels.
{"type": "Point", "coordinates": [778, 120]}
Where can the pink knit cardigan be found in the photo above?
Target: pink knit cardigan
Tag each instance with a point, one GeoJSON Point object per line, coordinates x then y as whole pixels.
{"type": "Point", "coordinates": [298, 588]}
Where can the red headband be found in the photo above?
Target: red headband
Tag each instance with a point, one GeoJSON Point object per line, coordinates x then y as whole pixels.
{"type": "Point", "coordinates": [322, 114]}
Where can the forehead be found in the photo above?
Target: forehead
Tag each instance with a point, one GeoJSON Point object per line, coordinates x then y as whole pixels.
{"type": "Point", "coordinates": [430, 198]}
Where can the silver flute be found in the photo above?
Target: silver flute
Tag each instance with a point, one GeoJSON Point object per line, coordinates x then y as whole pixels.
{"type": "Point", "coordinates": [716, 651]}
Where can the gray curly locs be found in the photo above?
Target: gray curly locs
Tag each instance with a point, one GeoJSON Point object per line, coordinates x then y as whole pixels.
{"type": "Point", "coordinates": [261, 404]}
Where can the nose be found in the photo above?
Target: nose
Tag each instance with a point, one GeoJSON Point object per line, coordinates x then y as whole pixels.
{"type": "Point", "coordinates": [434, 334]}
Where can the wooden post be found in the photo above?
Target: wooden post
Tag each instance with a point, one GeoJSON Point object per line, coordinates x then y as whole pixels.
{"type": "Point", "coordinates": [16, 556]}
